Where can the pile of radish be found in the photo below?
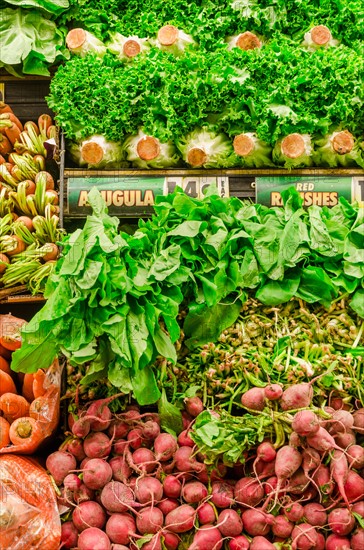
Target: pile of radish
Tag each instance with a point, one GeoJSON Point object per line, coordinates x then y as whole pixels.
{"type": "Point", "coordinates": [124, 483]}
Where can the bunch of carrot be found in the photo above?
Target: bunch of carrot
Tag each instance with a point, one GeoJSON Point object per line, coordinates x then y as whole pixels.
{"type": "Point", "coordinates": [29, 222]}
{"type": "Point", "coordinates": [28, 407]}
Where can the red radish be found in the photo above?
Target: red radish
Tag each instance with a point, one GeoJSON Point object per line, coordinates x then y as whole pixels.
{"type": "Point", "coordinates": [193, 492]}
{"type": "Point", "coordinates": [358, 508]}
{"type": "Point", "coordinates": [322, 441]}
{"type": "Point", "coordinates": [339, 470]}
{"type": "Point", "coordinates": [84, 462]}
{"type": "Point", "coordinates": [359, 421]}
{"type": "Point", "coordinates": [334, 542]}
{"type": "Point", "coordinates": [72, 482]}
{"type": "Point", "coordinates": [69, 535]}
{"type": "Point", "coordinates": [121, 470]}
{"type": "Point", "coordinates": [304, 537]}
{"type": "Point", "coordinates": [116, 497]}
{"type": "Point", "coordinates": [149, 520]}
{"type": "Point", "coordinates": [322, 479]}
{"type": "Point", "coordinates": [83, 494]}
{"type": "Point", "coordinates": [185, 460]}
{"type": "Point", "coordinates": [172, 487]}
{"type": "Point", "coordinates": [120, 527]}
{"type": "Point", "coordinates": [248, 491]}
{"type": "Point", "coordinates": [294, 511]}
{"type": "Point", "coordinates": [305, 423]}
{"type": "Point", "coordinates": [256, 522]}
{"type": "Point", "coordinates": [184, 439]}
{"type": "Point", "coordinates": [321, 543]}
{"type": "Point", "coordinates": [153, 544]}
{"type": "Point", "coordinates": [229, 523]}
{"type": "Point", "coordinates": [295, 440]}
{"type": "Point", "coordinates": [310, 460]}
{"type": "Point", "coordinates": [253, 399]}
{"type": "Point", "coordinates": [315, 514]}
{"type": "Point", "coordinates": [239, 543]}
{"type": "Point", "coordinates": [93, 538]}
{"type": "Point", "coordinates": [270, 485]}
{"type": "Point", "coordinates": [165, 446]}
{"type": "Point", "coordinates": [99, 413]}
{"type": "Point", "coordinates": [81, 427]}
{"type": "Point", "coordinates": [59, 464]}
{"type": "Point", "coordinates": [194, 406]}
{"type": "Point", "coordinates": [144, 459]}
{"type": "Point", "coordinates": [341, 521]}
{"type": "Point", "coordinates": [273, 392]}
{"type": "Point", "coordinates": [186, 420]}
{"type": "Point", "coordinates": [282, 527]}
{"type": "Point", "coordinates": [120, 446]}
{"type": "Point", "coordinates": [345, 439]}
{"type": "Point", "coordinates": [151, 430]}
{"type": "Point", "coordinates": [266, 452]}
{"type": "Point", "coordinates": [170, 540]}
{"type": "Point", "coordinates": [297, 396]}
{"type": "Point", "coordinates": [261, 543]}
{"type": "Point", "coordinates": [356, 457]}
{"type": "Point", "coordinates": [118, 429]}
{"type": "Point", "coordinates": [168, 505]}
{"type": "Point", "coordinates": [207, 537]}
{"type": "Point", "coordinates": [341, 421]}
{"type": "Point", "coordinates": [206, 514]}
{"type": "Point", "coordinates": [287, 463]}
{"type": "Point", "coordinates": [181, 519]}
{"type": "Point", "coordinates": [148, 489]}
{"type": "Point", "coordinates": [354, 487]}
{"type": "Point", "coordinates": [97, 473]}
{"type": "Point", "coordinates": [75, 447]}
{"type": "Point", "coordinates": [88, 514]}
{"type": "Point", "coordinates": [97, 445]}
{"type": "Point", "coordinates": [135, 438]}
{"type": "Point", "coordinates": [264, 469]}
{"type": "Point", "coordinates": [298, 482]}
{"type": "Point", "coordinates": [357, 539]}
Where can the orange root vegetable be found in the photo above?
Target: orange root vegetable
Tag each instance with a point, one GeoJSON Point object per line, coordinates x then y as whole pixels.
{"type": "Point", "coordinates": [5, 145]}
{"type": "Point", "coordinates": [13, 406]}
{"type": "Point", "coordinates": [52, 196]}
{"type": "Point", "coordinates": [39, 161]}
{"type": "Point", "coordinates": [4, 366]}
{"type": "Point", "coordinates": [2, 160]}
{"type": "Point", "coordinates": [44, 408]}
{"type": "Point", "coordinates": [19, 246]}
{"type": "Point", "coordinates": [12, 133]}
{"type": "Point", "coordinates": [38, 383]}
{"type": "Point", "coordinates": [33, 125]}
{"type": "Point", "coordinates": [10, 331]}
{"type": "Point", "coordinates": [52, 252]}
{"type": "Point", "coordinates": [51, 132]}
{"type": "Point", "coordinates": [30, 187]}
{"type": "Point", "coordinates": [27, 222]}
{"type": "Point", "coordinates": [48, 177]}
{"type": "Point", "coordinates": [27, 389]}
{"type": "Point", "coordinates": [44, 122]}
{"type": "Point", "coordinates": [4, 260]}
{"type": "Point", "coordinates": [5, 108]}
{"type": "Point", "coordinates": [26, 434]}
{"type": "Point", "coordinates": [6, 383]}
{"type": "Point", "coordinates": [4, 433]}
{"type": "Point", "coordinates": [12, 118]}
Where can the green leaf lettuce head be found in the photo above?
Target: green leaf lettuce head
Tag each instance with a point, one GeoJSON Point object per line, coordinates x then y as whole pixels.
{"type": "Point", "coordinates": [293, 151]}
{"type": "Point", "coordinates": [203, 147]}
{"type": "Point", "coordinates": [81, 42]}
{"type": "Point", "coordinates": [97, 152]}
{"type": "Point", "coordinates": [252, 152]}
{"type": "Point", "coordinates": [30, 43]}
{"type": "Point", "coordinates": [118, 43]}
{"type": "Point", "coordinates": [159, 155]}
{"type": "Point", "coordinates": [332, 151]}
{"type": "Point", "coordinates": [50, 6]}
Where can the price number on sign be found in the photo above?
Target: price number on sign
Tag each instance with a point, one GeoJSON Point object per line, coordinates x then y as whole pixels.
{"type": "Point", "coordinates": [195, 186]}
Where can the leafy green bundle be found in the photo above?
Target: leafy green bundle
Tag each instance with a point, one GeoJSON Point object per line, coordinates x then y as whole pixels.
{"type": "Point", "coordinates": [113, 299]}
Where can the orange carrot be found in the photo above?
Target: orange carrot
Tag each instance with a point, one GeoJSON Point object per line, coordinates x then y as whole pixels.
{"type": "Point", "coordinates": [25, 434]}
{"type": "Point", "coordinates": [33, 125]}
{"type": "Point", "coordinates": [4, 366]}
{"type": "Point", "coordinates": [10, 331]}
{"type": "Point", "coordinates": [2, 160]}
{"type": "Point", "coordinates": [12, 133]}
{"type": "Point", "coordinates": [45, 409]}
{"type": "Point", "coordinates": [6, 383]}
{"type": "Point", "coordinates": [13, 406]}
{"type": "Point", "coordinates": [6, 353]}
{"type": "Point", "coordinates": [38, 383]}
{"type": "Point", "coordinates": [5, 108]}
{"type": "Point", "coordinates": [12, 118]}
{"type": "Point", "coordinates": [4, 432]}
{"type": "Point", "coordinates": [27, 389]}
{"type": "Point", "coordinates": [5, 145]}
{"type": "Point", "coordinates": [44, 122]}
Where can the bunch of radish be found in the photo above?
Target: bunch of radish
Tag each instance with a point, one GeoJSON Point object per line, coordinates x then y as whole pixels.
{"type": "Point", "coordinates": [125, 483]}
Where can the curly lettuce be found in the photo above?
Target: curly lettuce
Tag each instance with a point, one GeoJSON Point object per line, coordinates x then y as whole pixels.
{"type": "Point", "coordinates": [97, 152]}
{"type": "Point", "coordinates": [165, 154]}
{"type": "Point", "coordinates": [205, 148]}
{"type": "Point", "coordinates": [325, 154]}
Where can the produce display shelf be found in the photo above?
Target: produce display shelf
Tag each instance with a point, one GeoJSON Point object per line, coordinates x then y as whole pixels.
{"type": "Point", "coordinates": [79, 172]}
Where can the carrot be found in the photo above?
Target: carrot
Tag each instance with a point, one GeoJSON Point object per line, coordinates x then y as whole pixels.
{"type": "Point", "coordinates": [2, 160]}
{"type": "Point", "coordinates": [12, 133]}
{"type": "Point", "coordinates": [44, 122]}
{"type": "Point", "coordinates": [26, 435]}
{"type": "Point", "coordinates": [10, 331]}
{"type": "Point", "coordinates": [4, 366]}
{"type": "Point", "coordinates": [13, 406]}
{"type": "Point", "coordinates": [5, 353]}
{"type": "Point", "coordinates": [5, 108]}
{"type": "Point", "coordinates": [27, 389]}
{"type": "Point", "coordinates": [33, 125]}
{"type": "Point", "coordinates": [44, 409]}
{"type": "Point", "coordinates": [12, 118]}
{"type": "Point", "coordinates": [38, 383]}
{"type": "Point", "coordinates": [6, 383]}
{"type": "Point", "coordinates": [5, 145]}
{"type": "Point", "coordinates": [4, 432]}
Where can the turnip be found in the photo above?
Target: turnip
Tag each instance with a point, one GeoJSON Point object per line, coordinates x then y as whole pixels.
{"type": "Point", "coordinates": [88, 514]}
{"type": "Point", "coordinates": [273, 392]}
{"type": "Point", "coordinates": [354, 487]}
{"type": "Point", "coordinates": [149, 520]}
{"type": "Point", "coordinates": [120, 469]}
{"type": "Point", "coordinates": [256, 522]}
{"type": "Point", "coordinates": [97, 445]}
{"type": "Point", "coordinates": [359, 421]}
{"type": "Point", "coordinates": [148, 489]}
{"type": "Point", "coordinates": [116, 497]}
{"type": "Point", "coordinates": [144, 459]}
{"type": "Point", "coordinates": [248, 491]}
{"type": "Point", "coordinates": [294, 511]}
{"type": "Point", "coordinates": [304, 537]}
{"type": "Point", "coordinates": [357, 540]}
{"type": "Point", "coordinates": [118, 429]}
{"type": "Point", "coordinates": [229, 523]}
{"type": "Point", "coordinates": [341, 521]}
{"type": "Point", "coordinates": [239, 543]}
{"type": "Point", "coordinates": [334, 542]}
{"type": "Point", "coordinates": [305, 423]}
{"type": "Point", "coordinates": [261, 543]}
{"type": "Point", "coordinates": [298, 396]}
{"type": "Point", "coordinates": [254, 399]}
{"type": "Point", "coordinates": [93, 538]}
{"type": "Point", "coordinates": [193, 492]}
{"type": "Point", "coordinates": [345, 439]}
{"type": "Point", "coordinates": [120, 527]}
{"type": "Point", "coordinates": [315, 514]}
{"type": "Point", "coordinates": [181, 519]}
{"type": "Point", "coordinates": [266, 452]}
{"type": "Point", "coordinates": [97, 473]}
{"type": "Point", "coordinates": [341, 421]}
{"type": "Point", "coordinates": [59, 464]}
{"type": "Point", "coordinates": [185, 460]}
{"type": "Point", "coordinates": [194, 406]}
{"type": "Point", "coordinates": [75, 447]}
{"type": "Point", "coordinates": [172, 487]}
{"type": "Point", "coordinates": [69, 535]}
{"type": "Point", "coordinates": [165, 445]}
{"type": "Point", "coordinates": [184, 439]}
{"type": "Point", "coordinates": [322, 441]}
{"type": "Point", "coordinates": [282, 527]}
{"type": "Point", "coordinates": [207, 537]}
{"type": "Point", "coordinates": [206, 514]}
{"type": "Point", "coordinates": [168, 505]}
{"type": "Point", "coordinates": [339, 470]}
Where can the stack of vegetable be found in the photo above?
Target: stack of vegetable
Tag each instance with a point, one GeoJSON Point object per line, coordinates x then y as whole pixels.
{"type": "Point", "coordinates": [29, 222]}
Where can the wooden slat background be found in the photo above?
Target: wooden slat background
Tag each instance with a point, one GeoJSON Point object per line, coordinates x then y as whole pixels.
{"type": "Point", "coordinates": [26, 96]}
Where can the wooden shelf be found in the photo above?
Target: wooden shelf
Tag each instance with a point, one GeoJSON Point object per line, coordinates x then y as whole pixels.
{"type": "Point", "coordinates": [134, 172]}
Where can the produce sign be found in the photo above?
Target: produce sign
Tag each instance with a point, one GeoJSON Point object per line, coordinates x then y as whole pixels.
{"type": "Point", "coordinates": [134, 196]}
{"type": "Point", "coordinates": [314, 190]}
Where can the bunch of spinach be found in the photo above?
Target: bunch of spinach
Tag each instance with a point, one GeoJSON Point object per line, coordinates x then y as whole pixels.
{"type": "Point", "coordinates": [113, 299]}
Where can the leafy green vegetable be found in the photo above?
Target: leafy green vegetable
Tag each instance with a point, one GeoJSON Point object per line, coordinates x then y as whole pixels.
{"type": "Point", "coordinates": [51, 6]}
{"type": "Point", "coordinates": [170, 415]}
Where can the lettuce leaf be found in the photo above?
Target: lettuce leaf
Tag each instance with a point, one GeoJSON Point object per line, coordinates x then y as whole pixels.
{"type": "Point", "coordinates": [51, 6]}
